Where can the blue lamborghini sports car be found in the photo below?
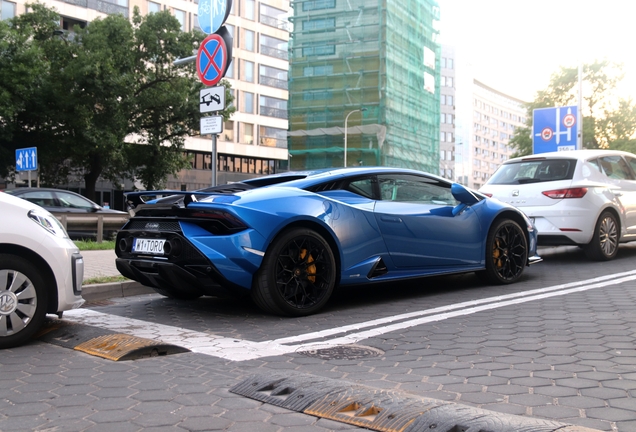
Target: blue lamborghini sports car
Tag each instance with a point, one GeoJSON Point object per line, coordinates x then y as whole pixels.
{"type": "Point", "coordinates": [289, 239]}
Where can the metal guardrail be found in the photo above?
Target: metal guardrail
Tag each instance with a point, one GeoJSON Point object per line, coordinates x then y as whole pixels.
{"type": "Point", "coordinates": [92, 222]}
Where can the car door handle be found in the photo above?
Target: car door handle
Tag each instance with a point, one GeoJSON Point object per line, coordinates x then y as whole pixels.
{"type": "Point", "coordinates": [390, 219]}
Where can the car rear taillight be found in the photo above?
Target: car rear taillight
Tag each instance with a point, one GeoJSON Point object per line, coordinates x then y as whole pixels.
{"type": "Point", "coordinates": [489, 195]}
{"type": "Point", "coordinates": [565, 193]}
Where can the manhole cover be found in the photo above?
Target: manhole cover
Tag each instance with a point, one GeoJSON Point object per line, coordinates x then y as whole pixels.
{"type": "Point", "coordinates": [343, 352]}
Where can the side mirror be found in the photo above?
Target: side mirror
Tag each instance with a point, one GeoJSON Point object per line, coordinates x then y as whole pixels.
{"type": "Point", "coordinates": [464, 196]}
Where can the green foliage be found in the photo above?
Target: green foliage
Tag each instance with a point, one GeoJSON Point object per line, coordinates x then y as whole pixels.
{"type": "Point", "coordinates": [609, 121]}
{"type": "Point", "coordinates": [104, 101]}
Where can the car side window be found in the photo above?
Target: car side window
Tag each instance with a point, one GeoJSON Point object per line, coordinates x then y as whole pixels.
{"type": "Point", "coordinates": [632, 162]}
{"type": "Point", "coordinates": [363, 187]}
{"type": "Point", "coordinates": [73, 201]}
{"type": "Point", "coordinates": [615, 167]}
{"type": "Point", "coordinates": [41, 198]}
{"type": "Point", "coordinates": [415, 189]}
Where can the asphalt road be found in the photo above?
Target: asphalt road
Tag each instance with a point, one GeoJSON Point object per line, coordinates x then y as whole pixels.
{"type": "Point", "coordinates": [559, 345]}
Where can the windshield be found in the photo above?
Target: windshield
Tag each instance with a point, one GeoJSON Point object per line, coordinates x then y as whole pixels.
{"type": "Point", "coordinates": [534, 171]}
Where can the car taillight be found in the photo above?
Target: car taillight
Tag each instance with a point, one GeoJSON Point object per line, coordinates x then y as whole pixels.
{"type": "Point", "coordinates": [566, 193]}
{"type": "Point", "coordinates": [489, 195]}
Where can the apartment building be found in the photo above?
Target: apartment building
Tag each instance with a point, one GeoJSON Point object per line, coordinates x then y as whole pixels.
{"type": "Point", "coordinates": [447, 113]}
{"type": "Point", "coordinates": [254, 141]}
{"type": "Point", "coordinates": [369, 68]}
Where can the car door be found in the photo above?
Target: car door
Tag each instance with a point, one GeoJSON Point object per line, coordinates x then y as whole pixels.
{"type": "Point", "coordinates": [72, 203]}
{"type": "Point", "coordinates": [627, 197]}
{"type": "Point", "coordinates": [415, 218]}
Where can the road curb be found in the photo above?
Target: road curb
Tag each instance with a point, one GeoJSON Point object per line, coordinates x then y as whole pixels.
{"type": "Point", "coordinates": [105, 291]}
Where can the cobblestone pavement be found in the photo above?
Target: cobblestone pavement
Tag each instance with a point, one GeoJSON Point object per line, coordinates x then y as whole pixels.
{"type": "Point", "coordinates": [568, 357]}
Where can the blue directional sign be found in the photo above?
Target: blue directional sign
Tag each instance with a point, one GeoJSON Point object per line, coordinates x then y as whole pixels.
{"type": "Point", "coordinates": [554, 129]}
{"type": "Point", "coordinates": [212, 14]}
{"type": "Point", "coordinates": [26, 159]}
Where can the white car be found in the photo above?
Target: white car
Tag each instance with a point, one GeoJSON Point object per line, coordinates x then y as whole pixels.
{"type": "Point", "coordinates": [583, 197]}
{"type": "Point", "coordinates": [41, 269]}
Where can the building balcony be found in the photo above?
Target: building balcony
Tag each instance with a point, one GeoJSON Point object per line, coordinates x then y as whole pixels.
{"type": "Point", "coordinates": [273, 112]}
{"type": "Point", "coordinates": [274, 22]}
{"type": "Point", "coordinates": [274, 52]}
{"type": "Point", "coordinates": [101, 6]}
{"type": "Point", "coordinates": [272, 82]}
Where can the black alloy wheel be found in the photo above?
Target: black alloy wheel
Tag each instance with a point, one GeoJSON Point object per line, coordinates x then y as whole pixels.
{"type": "Point", "coordinates": [297, 276]}
{"type": "Point", "coordinates": [506, 252]}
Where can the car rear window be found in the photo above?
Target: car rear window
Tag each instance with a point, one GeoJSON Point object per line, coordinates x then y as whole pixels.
{"type": "Point", "coordinates": [534, 171]}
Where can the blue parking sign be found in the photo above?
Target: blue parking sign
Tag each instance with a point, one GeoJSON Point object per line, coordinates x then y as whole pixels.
{"type": "Point", "coordinates": [26, 159]}
{"type": "Point", "coordinates": [554, 129]}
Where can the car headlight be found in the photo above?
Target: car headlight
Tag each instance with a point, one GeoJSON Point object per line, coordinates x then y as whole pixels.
{"type": "Point", "coordinates": [49, 222]}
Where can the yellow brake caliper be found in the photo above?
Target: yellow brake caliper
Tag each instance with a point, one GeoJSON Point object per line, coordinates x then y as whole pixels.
{"type": "Point", "coordinates": [311, 269]}
{"type": "Point", "coordinates": [496, 253]}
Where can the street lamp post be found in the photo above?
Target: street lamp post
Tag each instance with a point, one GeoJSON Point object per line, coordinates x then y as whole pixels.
{"type": "Point", "coordinates": [345, 134]}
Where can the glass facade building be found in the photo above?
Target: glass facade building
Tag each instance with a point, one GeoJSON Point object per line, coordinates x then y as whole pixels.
{"type": "Point", "coordinates": [381, 57]}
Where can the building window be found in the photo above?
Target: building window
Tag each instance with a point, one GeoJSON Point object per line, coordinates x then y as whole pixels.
{"type": "Point", "coordinates": [319, 24]}
{"type": "Point", "coordinates": [249, 9]}
{"type": "Point", "coordinates": [153, 7]}
{"type": "Point", "coordinates": [318, 4]}
{"type": "Point", "coordinates": [228, 131]}
{"type": "Point", "coordinates": [273, 107]}
{"type": "Point", "coordinates": [318, 70]}
{"type": "Point", "coordinates": [249, 71]}
{"type": "Point", "coordinates": [273, 137]}
{"type": "Point", "coordinates": [318, 94]}
{"type": "Point", "coordinates": [319, 49]}
{"type": "Point", "coordinates": [248, 102]}
{"type": "Point", "coordinates": [181, 17]}
{"type": "Point", "coordinates": [230, 70]}
{"type": "Point", "coordinates": [249, 40]}
{"type": "Point", "coordinates": [8, 10]}
{"type": "Point", "coordinates": [248, 134]}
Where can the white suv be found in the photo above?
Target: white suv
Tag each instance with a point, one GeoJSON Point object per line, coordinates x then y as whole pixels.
{"type": "Point", "coordinates": [583, 197]}
{"type": "Point", "coordinates": [41, 270]}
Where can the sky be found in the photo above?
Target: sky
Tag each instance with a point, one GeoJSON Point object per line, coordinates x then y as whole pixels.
{"type": "Point", "coordinates": [514, 46]}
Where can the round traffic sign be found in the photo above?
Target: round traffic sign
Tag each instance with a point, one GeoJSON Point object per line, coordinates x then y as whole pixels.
{"type": "Point", "coordinates": [569, 120]}
{"type": "Point", "coordinates": [546, 134]}
{"type": "Point", "coordinates": [212, 60]}
{"type": "Point", "coordinates": [212, 14]}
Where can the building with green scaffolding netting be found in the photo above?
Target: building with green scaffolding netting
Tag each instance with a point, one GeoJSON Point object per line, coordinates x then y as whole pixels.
{"type": "Point", "coordinates": [380, 57]}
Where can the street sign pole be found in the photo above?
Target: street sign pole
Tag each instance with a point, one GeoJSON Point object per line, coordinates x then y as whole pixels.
{"type": "Point", "coordinates": [213, 159]}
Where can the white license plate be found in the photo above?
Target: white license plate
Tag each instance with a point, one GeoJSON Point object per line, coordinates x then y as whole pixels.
{"type": "Point", "coordinates": [148, 246]}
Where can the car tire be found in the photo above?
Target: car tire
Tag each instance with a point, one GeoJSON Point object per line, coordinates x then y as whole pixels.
{"type": "Point", "coordinates": [506, 253]}
{"type": "Point", "coordinates": [23, 300]}
{"type": "Point", "coordinates": [297, 276]}
{"type": "Point", "coordinates": [604, 243]}
{"type": "Point", "coordinates": [177, 294]}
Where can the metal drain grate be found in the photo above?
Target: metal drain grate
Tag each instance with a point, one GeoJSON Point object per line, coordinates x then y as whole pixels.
{"type": "Point", "coordinates": [343, 352]}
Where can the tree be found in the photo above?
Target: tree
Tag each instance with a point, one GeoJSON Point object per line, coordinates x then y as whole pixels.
{"type": "Point", "coordinates": [607, 118]}
{"type": "Point", "coordinates": [109, 102]}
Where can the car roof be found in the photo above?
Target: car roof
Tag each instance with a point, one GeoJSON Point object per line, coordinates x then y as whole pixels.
{"type": "Point", "coordinates": [27, 189]}
{"type": "Point", "coordinates": [573, 154]}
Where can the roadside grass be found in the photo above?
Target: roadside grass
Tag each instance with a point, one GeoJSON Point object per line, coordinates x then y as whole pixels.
{"type": "Point", "coordinates": [105, 279]}
{"type": "Point", "coordinates": [91, 245]}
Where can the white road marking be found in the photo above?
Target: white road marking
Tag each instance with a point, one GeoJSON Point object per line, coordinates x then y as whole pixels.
{"type": "Point", "coordinates": [238, 349]}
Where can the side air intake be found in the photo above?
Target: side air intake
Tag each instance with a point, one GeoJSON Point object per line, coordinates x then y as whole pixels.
{"type": "Point", "coordinates": [378, 269]}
